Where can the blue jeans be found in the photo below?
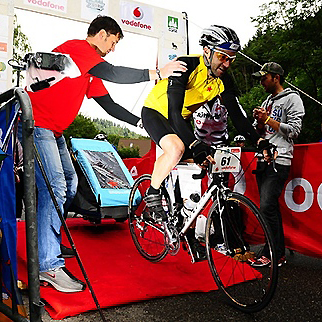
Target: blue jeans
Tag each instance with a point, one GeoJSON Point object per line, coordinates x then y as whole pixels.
{"type": "Point", "coordinates": [63, 180]}
{"type": "Point", "coordinates": [270, 186]}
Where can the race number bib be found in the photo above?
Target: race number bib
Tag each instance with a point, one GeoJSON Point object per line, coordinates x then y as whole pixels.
{"type": "Point", "coordinates": [227, 160]}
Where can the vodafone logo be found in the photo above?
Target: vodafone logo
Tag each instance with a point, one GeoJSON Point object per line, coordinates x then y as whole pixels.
{"type": "Point", "coordinates": [138, 13]}
{"type": "Point", "coordinates": [134, 171]}
{"type": "Point", "coordinates": [138, 17]}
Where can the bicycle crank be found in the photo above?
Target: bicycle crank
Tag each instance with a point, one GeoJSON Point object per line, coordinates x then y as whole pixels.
{"type": "Point", "coordinates": [172, 239]}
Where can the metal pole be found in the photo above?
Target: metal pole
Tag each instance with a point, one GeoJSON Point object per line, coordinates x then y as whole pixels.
{"type": "Point", "coordinates": [35, 305]}
{"type": "Point", "coordinates": [16, 317]}
{"type": "Point", "coordinates": [287, 82]}
{"type": "Point", "coordinates": [67, 232]}
{"type": "Point", "coordinates": [187, 25]}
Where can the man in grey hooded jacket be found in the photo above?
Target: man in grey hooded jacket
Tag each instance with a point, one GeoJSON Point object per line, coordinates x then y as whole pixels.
{"type": "Point", "coordinates": [279, 120]}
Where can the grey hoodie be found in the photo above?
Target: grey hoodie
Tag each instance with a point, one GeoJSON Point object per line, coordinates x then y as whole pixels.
{"type": "Point", "coordinates": [286, 108]}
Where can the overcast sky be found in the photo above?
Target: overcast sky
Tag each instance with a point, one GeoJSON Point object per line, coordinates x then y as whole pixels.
{"type": "Point", "coordinates": [46, 32]}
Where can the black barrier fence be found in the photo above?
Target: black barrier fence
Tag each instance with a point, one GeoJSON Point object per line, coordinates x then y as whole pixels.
{"type": "Point", "coordinates": [35, 305]}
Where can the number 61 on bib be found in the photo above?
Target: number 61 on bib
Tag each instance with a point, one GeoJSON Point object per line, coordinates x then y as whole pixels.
{"type": "Point", "coordinates": [227, 160]}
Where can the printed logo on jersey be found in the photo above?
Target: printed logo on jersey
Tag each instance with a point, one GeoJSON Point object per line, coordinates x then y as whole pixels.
{"type": "Point", "coordinates": [138, 17]}
{"type": "Point", "coordinates": [276, 114]}
{"type": "Point", "coordinates": [173, 24]}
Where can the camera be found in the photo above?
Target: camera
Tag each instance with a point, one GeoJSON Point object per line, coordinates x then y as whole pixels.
{"type": "Point", "coordinates": [47, 61]}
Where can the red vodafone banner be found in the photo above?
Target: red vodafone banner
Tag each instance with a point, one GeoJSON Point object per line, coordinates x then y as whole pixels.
{"type": "Point", "coordinates": [301, 199]}
{"type": "Point", "coordinates": [300, 202]}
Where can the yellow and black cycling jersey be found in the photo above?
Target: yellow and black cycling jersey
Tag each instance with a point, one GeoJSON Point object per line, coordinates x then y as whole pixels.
{"type": "Point", "coordinates": [178, 97]}
{"type": "Point", "coordinates": [199, 88]}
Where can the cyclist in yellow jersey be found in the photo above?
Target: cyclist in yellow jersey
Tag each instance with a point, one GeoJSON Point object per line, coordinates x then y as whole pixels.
{"type": "Point", "coordinates": [172, 101]}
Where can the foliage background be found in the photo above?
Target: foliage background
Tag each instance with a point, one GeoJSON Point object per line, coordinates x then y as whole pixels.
{"type": "Point", "coordinates": [289, 32]}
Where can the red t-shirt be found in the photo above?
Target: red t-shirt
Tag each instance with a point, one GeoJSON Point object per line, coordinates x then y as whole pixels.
{"type": "Point", "coordinates": [56, 107]}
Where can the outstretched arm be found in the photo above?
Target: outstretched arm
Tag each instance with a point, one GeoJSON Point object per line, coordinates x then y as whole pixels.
{"type": "Point", "coordinates": [128, 75]}
{"type": "Point", "coordinates": [116, 110]}
{"type": "Point", "coordinates": [173, 68]}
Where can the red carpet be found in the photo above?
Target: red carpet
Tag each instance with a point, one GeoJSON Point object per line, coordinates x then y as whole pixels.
{"type": "Point", "coordinates": [117, 272]}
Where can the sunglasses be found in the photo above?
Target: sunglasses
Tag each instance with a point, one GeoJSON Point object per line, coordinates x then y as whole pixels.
{"type": "Point", "coordinates": [223, 57]}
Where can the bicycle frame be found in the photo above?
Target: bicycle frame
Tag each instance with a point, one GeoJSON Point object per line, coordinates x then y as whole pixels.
{"type": "Point", "coordinates": [213, 190]}
{"type": "Point", "coordinates": [236, 236]}
{"type": "Point", "coordinates": [200, 205]}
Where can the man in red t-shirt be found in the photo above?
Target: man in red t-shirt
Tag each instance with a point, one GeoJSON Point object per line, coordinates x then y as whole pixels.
{"type": "Point", "coordinates": [54, 109]}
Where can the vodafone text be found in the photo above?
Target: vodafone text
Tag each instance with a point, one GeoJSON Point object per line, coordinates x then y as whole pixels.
{"type": "Point", "coordinates": [47, 4]}
{"type": "Point", "coordinates": [136, 24]}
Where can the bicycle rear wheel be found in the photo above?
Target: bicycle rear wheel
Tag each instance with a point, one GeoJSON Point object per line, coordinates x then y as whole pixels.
{"type": "Point", "coordinates": [245, 235]}
{"type": "Point", "coordinates": [147, 234]}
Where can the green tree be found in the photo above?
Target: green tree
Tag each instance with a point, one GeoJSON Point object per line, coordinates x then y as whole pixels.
{"type": "Point", "coordinates": [113, 139]}
{"type": "Point", "coordinates": [290, 33]}
{"type": "Point", "coordinates": [82, 127]}
{"type": "Point", "coordinates": [21, 46]}
{"type": "Point", "coordinates": [111, 128]}
{"type": "Point", "coordinates": [126, 152]}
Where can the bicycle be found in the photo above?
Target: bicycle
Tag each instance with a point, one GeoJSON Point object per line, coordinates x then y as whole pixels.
{"type": "Point", "coordinates": [242, 227]}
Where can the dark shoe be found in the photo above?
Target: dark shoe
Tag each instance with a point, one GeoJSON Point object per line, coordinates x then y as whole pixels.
{"type": "Point", "coordinates": [66, 252]}
{"type": "Point", "coordinates": [259, 262]}
{"type": "Point", "coordinates": [154, 203]}
{"type": "Point", "coordinates": [281, 261]}
{"type": "Point", "coordinates": [62, 280]}
{"type": "Point", "coordinates": [198, 251]}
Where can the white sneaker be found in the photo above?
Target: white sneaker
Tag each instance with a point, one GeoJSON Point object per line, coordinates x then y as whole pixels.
{"type": "Point", "coordinates": [62, 280]}
{"type": "Point", "coordinates": [222, 249]}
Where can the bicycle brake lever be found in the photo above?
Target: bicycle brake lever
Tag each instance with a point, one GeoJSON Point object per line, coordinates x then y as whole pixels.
{"type": "Point", "coordinates": [200, 175]}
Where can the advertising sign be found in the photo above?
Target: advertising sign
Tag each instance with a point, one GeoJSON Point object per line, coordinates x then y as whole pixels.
{"type": "Point", "coordinates": [4, 27]}
{"type": "Point", "coordinates": [92, 8]}
{"type": "Point", "coordinates": [54, 5]}
{"type": "Point", "coordinates": [136, 16]}
{"type": "Point", "coordinates": [301, 199]}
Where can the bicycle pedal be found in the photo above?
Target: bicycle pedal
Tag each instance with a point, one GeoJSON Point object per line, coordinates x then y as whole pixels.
{"type": "Point", "coordinates": [184, 246]}
{"type": "Point", "coordinates": [238, 258]}
{"type": "Point", "coordinates": [248, 255]}
{"type": "Point", "coordinates": [244, 257]}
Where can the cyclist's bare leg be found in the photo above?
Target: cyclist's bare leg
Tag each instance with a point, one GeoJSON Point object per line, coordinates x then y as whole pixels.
{"type": "Point", "coordinates": [173, 149]}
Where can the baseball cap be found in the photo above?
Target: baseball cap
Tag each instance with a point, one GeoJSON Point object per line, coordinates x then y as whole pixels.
{"type": "Point", "coordinates": [270, 67]}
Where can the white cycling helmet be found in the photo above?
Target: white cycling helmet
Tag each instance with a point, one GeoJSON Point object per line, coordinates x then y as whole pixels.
{"type": "Point", "coordinates": [239, 138]}
{"type": "Point", "coordinates": [219, 37]}
{"type": "Point", "coordinates": [101, 137]}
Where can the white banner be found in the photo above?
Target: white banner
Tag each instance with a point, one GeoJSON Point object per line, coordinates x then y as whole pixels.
{"type": "Point", "coordinates": [174, 25]}
{"type": "Point", "coordinates": [92, 8]}
{"type": "Point", "coordinates": [136, 16]}
{"type": "Point", "coordinates": [4, 27]}
{"type": "Point", "coordinates": [55, 5]}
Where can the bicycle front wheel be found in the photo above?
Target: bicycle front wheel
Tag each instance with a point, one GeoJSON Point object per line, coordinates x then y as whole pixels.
{"type": "Point", "coordinates": [236, 234]}
{"type": "Point", "coordinates": [147, 234]}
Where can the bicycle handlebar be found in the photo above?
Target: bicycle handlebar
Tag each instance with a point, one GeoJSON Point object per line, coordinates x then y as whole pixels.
{"type": "Point", "coordinates": [271, 150]}
{"type": "Point", "coordinates": [201, 175]}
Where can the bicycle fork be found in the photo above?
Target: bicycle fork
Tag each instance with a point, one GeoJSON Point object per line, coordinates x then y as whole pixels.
{"type": "Point", "coordinates": [221, 208]}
